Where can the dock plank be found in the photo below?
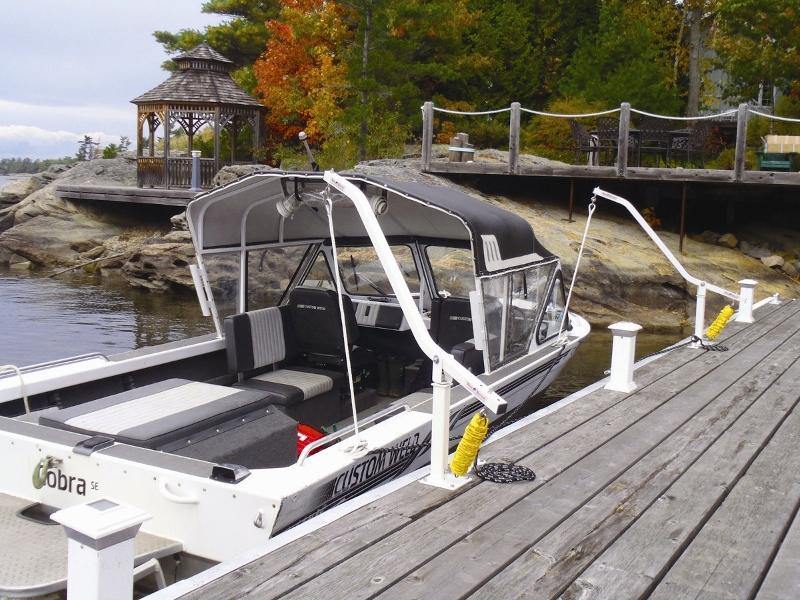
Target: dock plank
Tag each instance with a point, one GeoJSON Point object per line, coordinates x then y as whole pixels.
{"type": "Point", "coordinates": [393, 558]}
{"type": "Point", "coordinates": [560, 499]}
{"type": "Point", "coordinates": [732, 552]}
{"type": "Point", "coordinates": [783, 579]}
{"type": "Point", "coordinates": [638, 559]}
{"type": "Point", "coordinates": [552, 564]}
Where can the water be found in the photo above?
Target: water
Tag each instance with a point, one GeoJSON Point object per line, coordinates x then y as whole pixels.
{"type": "Point", "coordinates": [44, 319]}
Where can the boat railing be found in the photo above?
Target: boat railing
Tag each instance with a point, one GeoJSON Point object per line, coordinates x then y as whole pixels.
{"type": "Point", "coordinates": [55, 363]}
{"type": "Point", "coordinates": [339, 433]}
{"type": "Point", "coordinates": [746, 293]}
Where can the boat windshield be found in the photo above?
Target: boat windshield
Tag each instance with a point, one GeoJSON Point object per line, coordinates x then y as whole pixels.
{"type": "Point", "coordinates": [362, 273]}
{"type": "Point", "coordinates": [453, 270]}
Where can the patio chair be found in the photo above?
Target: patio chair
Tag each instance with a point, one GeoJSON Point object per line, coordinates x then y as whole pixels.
{"type": "Point", "coordinates": [693, 145]}
{"type": "Point", "coordinates": [583, 143]}
{"type": "Point", "coordinates": [608, 134]}
{"type": "Point", "coordinates": [653, 139]}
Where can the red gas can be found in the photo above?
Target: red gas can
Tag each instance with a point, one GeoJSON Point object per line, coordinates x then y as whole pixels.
{"type": "Point", "coordinates": [307, 434]}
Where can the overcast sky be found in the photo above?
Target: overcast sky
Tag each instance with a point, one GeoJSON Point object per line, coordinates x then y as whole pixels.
{"type": "Point", "coordinates": [70, 67]}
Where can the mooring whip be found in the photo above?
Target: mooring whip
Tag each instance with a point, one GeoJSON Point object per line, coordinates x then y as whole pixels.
{"type": "Point", "coordinates": [337, 278]}
{"type": "Point", "coordinates": [592, 207]}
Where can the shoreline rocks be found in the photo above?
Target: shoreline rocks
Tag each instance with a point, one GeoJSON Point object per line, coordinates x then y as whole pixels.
{"type": "Point", "coordinates": [623, 276]}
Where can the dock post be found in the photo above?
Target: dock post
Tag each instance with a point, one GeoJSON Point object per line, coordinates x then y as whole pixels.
{"type": "Point", "coordinates": [622, 141]}
{"type": "Point", "coordinates": [746, 295]}
{"type": "Point", "coordinates": [195, 172]}
{"type": "Point", "coordinates": [440, 475]}
{"type": "Point", "coordinates": [427, 135]}
{"type": "Point", "coordinates": [700, 314]}
{"type": "Point", "coordinates": [100, 549]}
{"type": "Point", "coordinates": [623, 351]}
{"type": "Point", "coordinates": [513, 139]}
{"type": "Point", "coordinates": [741, 142]}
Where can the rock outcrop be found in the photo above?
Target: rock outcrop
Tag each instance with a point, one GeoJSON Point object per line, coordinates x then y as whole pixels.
{"type": "Point", "coordinates": [623, 275]}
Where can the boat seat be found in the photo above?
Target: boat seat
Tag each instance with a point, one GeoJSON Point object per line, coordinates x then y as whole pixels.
{"type": "Point", "coordinates": [260, 349]}
{"type": "Point", "coordinates": [176, 414]}
{"type": "Point", "coordinates": [317, 328]}
{"type": "Point", "coordinates": [451, 328]}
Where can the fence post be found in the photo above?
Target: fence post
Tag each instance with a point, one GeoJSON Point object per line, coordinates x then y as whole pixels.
{"type": "Point", "coordinates": [427, 135]}
{"type": "Point", "coordinates": [513, 139]}
{"type": "Point", "coordinates": [623, 351]}
{"type": "Point", "coordinates": [746, 294]}
{"type": "Point", "coordinates": [195, 187]}
{"type": "Point", "coordinates": [741, 142]}
{"type": "Point", "coordinates": [622, 141]}
{"type": "Point", "coordinates": [100, 548]}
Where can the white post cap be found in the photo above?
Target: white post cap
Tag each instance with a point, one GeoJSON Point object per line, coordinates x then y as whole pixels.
{"type": "Point", "coordinates": [748, 283]}
{"type": "Point", "coordinates": [101, 523]}
{"type": "Point", "coordinates": [196, 153]}
{"type": "Point", "coordinates": [625, 328]}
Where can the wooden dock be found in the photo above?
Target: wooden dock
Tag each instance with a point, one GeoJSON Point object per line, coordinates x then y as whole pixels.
{"type": "Point", "coordinates": [126, 194]}
{"type": "Point", "coordinates": [688, 487]}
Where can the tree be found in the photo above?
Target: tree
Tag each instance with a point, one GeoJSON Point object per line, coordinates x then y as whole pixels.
{"type": "Point", "coordinates": [111, 151]}
{"type": "Point", "coordinates": [124, 143]}
{"type": "Point", "coordinates": [629, 58]}
{"type": "Point", "coordinates": [757, 42]}
{"type": "Point", "coordinates": [241, 37]}
{"type": "Point", "coordinates": [87, 148]}
{"type": "Point", "coordinates": [301, 76]}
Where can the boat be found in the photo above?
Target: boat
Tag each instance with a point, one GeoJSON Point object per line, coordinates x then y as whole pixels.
{"type": "Point", "coordinates": [315, 387]}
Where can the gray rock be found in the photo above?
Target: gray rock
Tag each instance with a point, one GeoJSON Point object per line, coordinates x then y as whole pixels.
{"type": "Point", "coordinates": [728, 240]}
{"type": "Point", "coordinates": [179, 222]}
{"type": "Point", "coordinates": [754, 251]}
{"type": "Point", "coordinates": [231, 173]}
{"type": "Point", "coordinates": [709, 237]}
{"type": "Point", "coordinates": [790, 269]}
{"type": "Point", "coordinates": [773, 261]}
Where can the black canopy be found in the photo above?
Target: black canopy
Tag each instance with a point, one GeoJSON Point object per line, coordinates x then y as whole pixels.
{"type": "Point", "coordinates": [243, 214]}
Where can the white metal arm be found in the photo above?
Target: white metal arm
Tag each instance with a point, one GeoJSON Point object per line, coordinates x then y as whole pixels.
{"type": "Point", "coordinates": [662, 246]}
{"type": "Point", "coordinates": [449, 364]}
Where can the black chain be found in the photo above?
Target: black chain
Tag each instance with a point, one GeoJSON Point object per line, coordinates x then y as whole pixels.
{"type": "Point", "coordinates": [503, 472]}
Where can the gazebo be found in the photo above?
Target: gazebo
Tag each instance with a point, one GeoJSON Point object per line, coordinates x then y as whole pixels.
{"type": "Point", "coordinates": [199, 93]}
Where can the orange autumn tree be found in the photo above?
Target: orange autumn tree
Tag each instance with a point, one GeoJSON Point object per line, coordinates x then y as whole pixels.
{"type": "Point", "coordinates": [302, 76]}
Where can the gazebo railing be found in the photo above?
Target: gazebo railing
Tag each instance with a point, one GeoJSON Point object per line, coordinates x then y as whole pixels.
{"type": "Point", "coordinates": [150, 172]}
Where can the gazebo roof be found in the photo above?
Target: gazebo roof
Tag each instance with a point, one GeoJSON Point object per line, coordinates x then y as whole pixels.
{"type": "Point", "coordinates": [202, 78]}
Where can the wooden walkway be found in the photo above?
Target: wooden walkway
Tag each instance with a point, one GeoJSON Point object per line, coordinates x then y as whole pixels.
{"type": "Point", "coordinates": [687, 488]}
{"type": "Point", "coordinates": [609, 173]}
{"type": "Point", "coordinates": [125, 194]}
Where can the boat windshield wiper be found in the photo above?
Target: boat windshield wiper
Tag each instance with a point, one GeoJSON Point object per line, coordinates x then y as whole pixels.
{"type": "Point", "coordinates": [374, 286]}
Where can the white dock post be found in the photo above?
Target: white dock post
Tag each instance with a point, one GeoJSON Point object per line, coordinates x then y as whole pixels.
{"type": "Point", "coordinates": [623, 351]}
{"type": "Point", "coordinates": [746, 295]}
{"type": "Point", "coordinates": [100, 555]}
{"type": "Point", "coordinates": [440, 475]}
{"type": "Point", "coordinates": [195, 187]}
{"type": "Point", "coordinates": [700, 314]}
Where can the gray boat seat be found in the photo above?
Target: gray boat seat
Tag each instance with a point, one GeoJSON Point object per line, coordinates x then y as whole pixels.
{"type": "Point", "coordinates": [260, 349]}
{"type": "Point", "coordinates": [154, 415]}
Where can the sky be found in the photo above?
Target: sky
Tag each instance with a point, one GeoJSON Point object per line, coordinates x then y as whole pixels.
{"type": "Point", "coordinates": [71, 67]}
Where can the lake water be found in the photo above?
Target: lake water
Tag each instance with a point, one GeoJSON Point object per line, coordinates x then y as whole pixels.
{"type": "Point", "coordinates": [44, 319]}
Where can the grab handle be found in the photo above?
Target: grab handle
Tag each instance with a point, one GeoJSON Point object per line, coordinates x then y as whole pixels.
{"type": "Point", "coordinates": [173, 497]}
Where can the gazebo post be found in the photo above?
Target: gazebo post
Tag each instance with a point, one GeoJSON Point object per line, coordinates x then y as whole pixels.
{"type": "Point", "coordinates": [166, 147]}
{"type": "Point", "coordinates": [217, 145]}
{"type": "Point", "coordinates": [151, 124]}
{"type": "Point", "coordinates": [232, 139]}
{"type": "Point", "coordinates": [139, 138]}
{"type": "Point", "coordinates": [190, 133]}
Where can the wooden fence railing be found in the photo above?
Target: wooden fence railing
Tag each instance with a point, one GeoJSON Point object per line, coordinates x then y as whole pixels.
{"type": "Point", "coordinates": [151, 172]}
{"type": "Point", "coordinates": [741, 113]}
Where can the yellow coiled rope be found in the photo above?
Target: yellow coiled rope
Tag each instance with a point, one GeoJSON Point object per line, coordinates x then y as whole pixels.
{"type": "Point", "coordinates": [469, 445]}
{"type": "Point", "coordinates": [719, 323]}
